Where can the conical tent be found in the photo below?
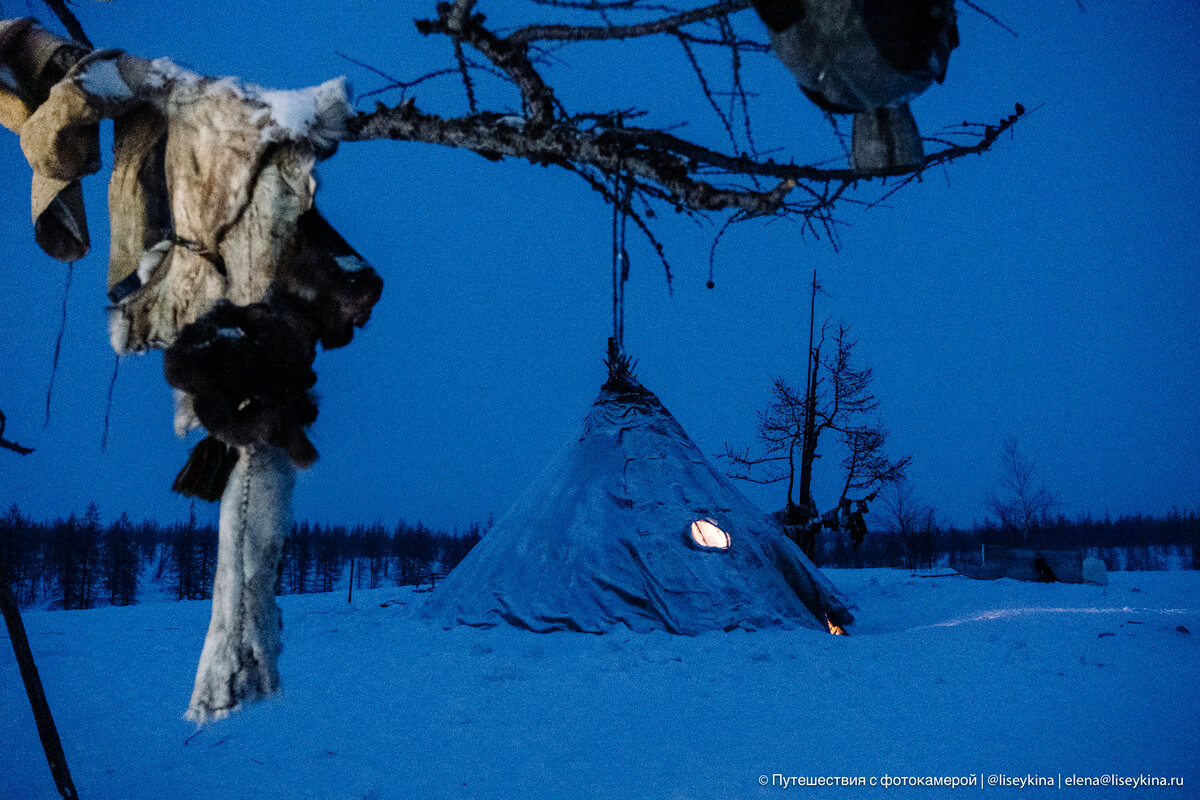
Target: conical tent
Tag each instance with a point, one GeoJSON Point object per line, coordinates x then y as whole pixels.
{"type": "Point", "coordinates": [633, 526]}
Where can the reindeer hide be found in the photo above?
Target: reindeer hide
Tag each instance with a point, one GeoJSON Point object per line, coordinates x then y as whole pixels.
{"type": "Point", "coordinates": [210, 176]}
{"type": "Point", "coordinates": [211, 199]}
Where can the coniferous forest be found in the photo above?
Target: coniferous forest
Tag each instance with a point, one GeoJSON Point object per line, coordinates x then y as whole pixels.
{"type": "Point", "coordinates": [82, 561]}
{"type": "Point", "coordinates": [1131, 543]}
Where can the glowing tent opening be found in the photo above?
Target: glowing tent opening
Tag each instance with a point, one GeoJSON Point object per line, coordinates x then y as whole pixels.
{"type": "Point", "coordinates": [836, 630]}
{"type": "Point", "coordinates": [706, 534]}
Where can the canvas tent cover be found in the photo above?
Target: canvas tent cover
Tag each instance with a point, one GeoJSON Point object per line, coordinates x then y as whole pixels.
{"type": "Point", "coordinates": [603, 539]}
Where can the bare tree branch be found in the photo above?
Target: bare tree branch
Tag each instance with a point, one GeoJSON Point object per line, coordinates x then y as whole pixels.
{"type": "Point", "coordinates": [67, 17]}
{"type": "Point", "coordinates": [656, 156]}
{"type": "Point", "coordinates": [578, 33]}
{"type": "Point", "coordinates": [842, 403]}
{"type": "Point", "coordinates": [1024, 502]}
{"type": "Point", "coordinates": [6, 444]}
{"type": "Point", "coordinates": [511, 57]}
{"type": "Point", "coordinates": [685, 175]}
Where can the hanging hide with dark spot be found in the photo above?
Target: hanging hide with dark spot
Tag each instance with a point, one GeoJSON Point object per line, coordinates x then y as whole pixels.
{"type": "Point", "coordinates": [249, 373]}
{"type": "Point", "coordinates": [914, 36]}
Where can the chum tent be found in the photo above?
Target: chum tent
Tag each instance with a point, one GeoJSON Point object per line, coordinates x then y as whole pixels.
{"type": "Point", "coordinates": [633, 526]}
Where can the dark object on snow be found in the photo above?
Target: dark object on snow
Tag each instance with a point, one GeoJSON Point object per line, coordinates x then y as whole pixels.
{"type": "Point", "coordinates": [249, 373]}
{"type": "Point", "coordinates": [858, 526]}
{"type": "Point", "coordinates": [1041, 566]}
{"type": "Point", "coordinates": [207, 470]}
{"type": "Point", "coordinates": [832, 519]}
{"type": "Point", "coordinates": [868, 58]}
{"type": "Point", "coordinates": [1044, 572]}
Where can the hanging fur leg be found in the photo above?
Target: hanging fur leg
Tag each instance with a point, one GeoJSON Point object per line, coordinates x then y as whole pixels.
{"type": "Point", "coordinates": [886, 138]}
{"type": "Point", "coordinates": [241, 651]}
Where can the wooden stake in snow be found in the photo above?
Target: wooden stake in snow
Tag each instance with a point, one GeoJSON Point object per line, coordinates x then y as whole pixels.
{"type": "Point", "coordinates": [33, 688]}
{"type": "Point", "coordinates": [241, 650]}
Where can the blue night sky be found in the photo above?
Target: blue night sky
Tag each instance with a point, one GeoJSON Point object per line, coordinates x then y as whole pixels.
{"type": "Point", "coordinates": [1047, 290]}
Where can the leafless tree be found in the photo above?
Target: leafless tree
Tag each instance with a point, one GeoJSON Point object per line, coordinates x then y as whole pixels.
{"type": "Point", "coordinates": [1024, 502]}
{"type": "Point", "coordinates": [839, 402]}
{"type": "Point", "coordinates": [911, 521]}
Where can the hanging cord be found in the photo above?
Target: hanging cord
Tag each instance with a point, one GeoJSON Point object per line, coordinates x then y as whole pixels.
{"type": "Point", "coordinates": [621, 194]}
{"type": "Point", "coordinates": [112, 383]}
{"type": "Point", "coordinates": [62, 329]}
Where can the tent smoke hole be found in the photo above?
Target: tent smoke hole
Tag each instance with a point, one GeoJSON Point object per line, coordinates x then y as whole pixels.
{"type": "Point", "coordinates": [707, 533]}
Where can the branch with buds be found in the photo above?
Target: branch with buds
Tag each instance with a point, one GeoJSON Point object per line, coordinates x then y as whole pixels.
{"type": "Point", "coordinates": [666, 168]}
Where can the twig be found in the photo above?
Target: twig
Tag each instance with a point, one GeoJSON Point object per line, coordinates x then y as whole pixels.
{"type": "Point", "coordinates": [69, 21]}
{"type": "Point", "coordinates": [993, 17]}
{"type": "Point", "coordinates": [6, 444]}
{"type": "Point", "coordinates": [579, 33]}
{"type": "Point", "coordinates": [62, 329]}
{"type": "Point", "coordinates": [511, 57]}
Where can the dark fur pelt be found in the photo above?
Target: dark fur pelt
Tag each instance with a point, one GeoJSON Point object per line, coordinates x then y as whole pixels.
{"type": "Point", "coordinates": [328, 286]}
{"type": "Point", "coordinates": [248, 368]}
{"type": "Point", "coordinates": [207, 470]}
{"type": "Point", "coordinates": [249, 372]}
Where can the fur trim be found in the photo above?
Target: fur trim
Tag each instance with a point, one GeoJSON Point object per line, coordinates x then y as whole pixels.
{"type": "Point", "coordinates": [150, 259]}
{"type": "Point", "coordinates": [185, 413]}
{"type": "Point", "coordinates": [118, 330]}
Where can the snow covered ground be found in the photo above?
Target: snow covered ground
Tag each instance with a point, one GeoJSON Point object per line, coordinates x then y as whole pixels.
{"type": "Point", "coordinates": [941, 677]}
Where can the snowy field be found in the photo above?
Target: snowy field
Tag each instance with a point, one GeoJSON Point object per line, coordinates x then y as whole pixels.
{"type": "Point", "coordinates": [941, 677]}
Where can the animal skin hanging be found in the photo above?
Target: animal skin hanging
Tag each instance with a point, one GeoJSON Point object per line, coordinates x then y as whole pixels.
{"type": "Point", "coordinates": [211, 205]}
{"type": "Point", "coordinates": [218, 256]}
{"type": "Point", "coordinates": [868, 58]}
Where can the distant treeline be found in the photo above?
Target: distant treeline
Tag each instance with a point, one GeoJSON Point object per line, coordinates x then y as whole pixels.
{"type": "Point", "coordinates": [1127, 543]}
{"type": "Point", "coordinates": [79, 562]}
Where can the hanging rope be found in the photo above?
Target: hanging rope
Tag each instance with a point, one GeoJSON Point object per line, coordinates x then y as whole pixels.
{"type": "Point", "coordinates": [112, 382]}
{"type": "Point", "coordinates": [62, 329]}
{"type": "Point", "coordinates": [621, 193]}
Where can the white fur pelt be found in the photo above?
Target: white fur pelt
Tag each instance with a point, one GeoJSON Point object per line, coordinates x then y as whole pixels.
{"type": "Point", "coordinates": [241, 651]}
